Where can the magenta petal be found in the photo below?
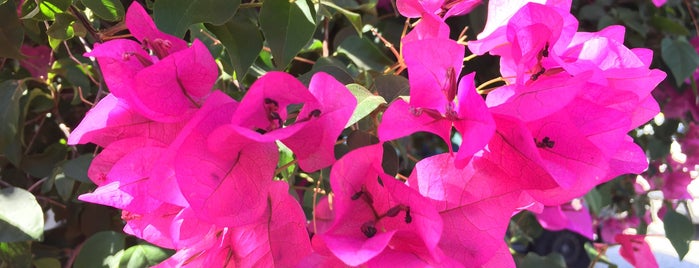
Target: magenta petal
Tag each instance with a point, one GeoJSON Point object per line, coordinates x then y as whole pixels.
{"type": "Point", "coordinates": [537, 99]}
{"type": "Point", "coordinates": [102, 163]}
{"type": "Point", "coordinates": [217, 111]}
{"type": "Point", "coordinates": [461, 8]}
{"type": "Point", "coordinates": [432, 71]}
{"type": "Point", "coordinates": [153, 227]}
{"type": "Point", "coordinates": [512, 148]}
{"type": "Point", "coordinates": [280, 239]}
{"type": "Point", "coordinates": [473, 233]}
{"type": "Point", "coordinates": [359, 171]}
{"type": "Point", "coordinates": [400, 120]}
{"type": "Point", "coordinates": [280, 90]}
{"type": "Point", "coordinates": [314, 144]}
{"type": "Point", "coordinates": [183, 79]}
{"type": "Point", "coordinates": [118, 60]}
{"type": "Point", "coordinates": [475, 123]}
{"type": "Point", "coordinates": [218, 182]}
{"type": "Point", "coordinates": [415, 8]}
{"type": "Point", "coordinates": [430, 27]}
{"type": "Point", "coordinates": [636, 250]}
{"type": "Point", "coordinates": [143, 28]}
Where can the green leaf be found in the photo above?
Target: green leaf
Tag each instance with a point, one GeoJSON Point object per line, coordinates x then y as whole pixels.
{"type": "Point", "coordinates": [62, 28]}
{"type": "Point", "coordinates": [593, 254]}
{"type": "Point", "coordinates": [110, 10]}
{"type": "Point", "coordinates": [47, 263]}
{"type": "Point", "coordinates": [64, 185]}
{"type": "Point", "coordinates": [391, 86]}
{"type": "Point", "coordinates": [679, 230]}
{"type": "Point", "coordinates": [43, 10]}
{"type": "Point", "coordinates": [144, 255]}
{"type": "Point", "coordinates": [36, 101]}
{"type": "Point", "coordinates": [286, 156]}
{"type": "Point", "coordinates": [11, 32]}
{"type": "Point", "coordinates": [10, 95]}
{"type": "Point", "coordinates": [532, 260]}
{"type": "Point", "coordinates": [17, 254]}
{"type": "Point", "coordinates": [77, 168]}
{"type": "Point", "coordinates": [41, 165]}
{"type": "Point", "coordinates": [354, 18]}
{"type": "Point", "coordinates": [366, 102]}
{"type": "Point", "coordinates": [287, 26]}
{"type": "Point", "coordinates": [594, 201]}
{"type": "Point", "coordinates": [242, 40]}
{"type": "Point", "coordinates": [667, 25]}
{"type": "Point", "coordinates": [680, 56]}
{"type": "Point", "coordinates": [364, 53]}
{"type": "Point", "coordinates": [98, 250]}
{"type": "Point", "coordinates": [21, 217]}
{"type": "Point", "coordinates": [175, 16]}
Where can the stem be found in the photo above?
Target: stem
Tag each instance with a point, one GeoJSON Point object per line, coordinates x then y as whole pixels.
{"type": "Point", "coordinates": [488, 83]}
{"type": "Point", "coordinates": [36, 184]}
{"type": "Point", "coordinates": [250, 5]}
{"type": "Point", "coordinates": [470, 57]}
{"type": "Point", "coordinates": [85, 23]}
{"type": "Point", "coordinates": [285, 166]}
{"type": "Point", "coordinates": [691, 14]}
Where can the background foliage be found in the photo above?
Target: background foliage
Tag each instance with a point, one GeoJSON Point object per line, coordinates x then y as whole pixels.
{"type": "Point", "coordinates": [47, 86]}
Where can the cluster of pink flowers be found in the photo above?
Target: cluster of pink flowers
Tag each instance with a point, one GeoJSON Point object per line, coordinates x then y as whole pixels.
{"type": "Point", "coordinates": [193, 170]}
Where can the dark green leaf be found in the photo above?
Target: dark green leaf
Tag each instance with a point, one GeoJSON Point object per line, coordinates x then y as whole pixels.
{"type": "Point", "coordinates": [11, 32]}
{"type": "Point", "coordinates": [287, 26]}
{"type": "Point", "coordinates": [391, 86]}
{"type": "Point", "coordinates": [679, 230]}
{"type": "Point", "coordinates": [97, 251]}
{"type": "Point", "coordinates": [21, 217]}
{"type": "Point", "coordinates": [354, 18]}
{"type": "Point", "coordinates": [242, 40]}
{"type": "Point", "coordinates": [77, 168]}
{"type": "Point", "coordinates": [532, 260]}
{"type": "Point", "coordinates": [37, 101]}
{"type": "Point", "coordinates": [10, 95]}
{"type": "Point", "coordinates": [366, 102]}
{"type": "Point", "coordinates": [15, 255]}
{"type": "Point", "coordinates": [364, 53]}
{"type": "Point", "coordinates": [668, 25]}
{"type": "Point", "coordinates": [680, 56]}
{"type": "Point", "coordinates": [62, 28]}
{"type": "Point", "coordinates": [175, 16]}
{"type": "Point", "coordinates": [144, 255]}
{"type": "Point", "coordinates": [41, 165]}
{"type": "Point", "coordinates": [64, 185]}
{"type": "Point", "coordinates": [110, 10]}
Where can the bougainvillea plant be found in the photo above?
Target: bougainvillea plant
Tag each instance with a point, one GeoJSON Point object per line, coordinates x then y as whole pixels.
{"type": "Point", "coordinates": [333, 134]}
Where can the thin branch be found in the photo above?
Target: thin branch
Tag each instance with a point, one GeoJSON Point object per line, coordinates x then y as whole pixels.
{"type": "Point", "coordinates": [36, 184]}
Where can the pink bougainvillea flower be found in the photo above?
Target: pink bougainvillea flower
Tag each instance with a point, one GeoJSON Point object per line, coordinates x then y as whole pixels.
{"type": "Point", "coordinates": [37, 60]}
{"type": "Point", "coordinates": [182, 75]}
{"type": "Point", "coordinates": [314, 145]}
{"type": "Point", "coordinates": [436, 100]}
{"type": "Point", "coordinates": [636, 250]}
{"type": "Point", "coordinates": [327, 106]}
{"type": "Point", "coordinates": [154, 226]}
{"type": "Point", "coordinates": [444, 8]}
{"type": "Point", "coordinates": [375, 214]}
{"type": "Point", "coordinates": [534, 16]}
{"type": "Point", "coordinates": [568, 217]}
{"type": "Point", "coordinates": [216, 111]}
{"type": "Point", "coordinates": [476, 204]}
{"type": "Point", "coordinates": [613, 226]}
{"type": "Point", "coordinates": [112, 119]}
{"type": "Point", "coordinates": [429, 27]}
{"type": "Point", "coordinates": [279, 240]}
{"type": "Point", "coordinates": [218, 172]}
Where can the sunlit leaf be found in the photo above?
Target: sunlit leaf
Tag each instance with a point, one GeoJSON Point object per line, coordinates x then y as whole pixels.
{"type": "Point", "coordinates": [21, 217]}
{"type": "Point", "coordinates": [110, 10]}
{"type": "Point", "coordinates": [366, 102]}
{"type": "Point", "coordinates": [143, 255]}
